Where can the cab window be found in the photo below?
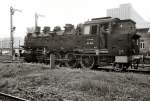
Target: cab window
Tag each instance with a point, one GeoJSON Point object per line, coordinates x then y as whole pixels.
{"type": "Point", "coordinates": [87, 29]}
{"type": "Point", "coordinates": [94, 29]}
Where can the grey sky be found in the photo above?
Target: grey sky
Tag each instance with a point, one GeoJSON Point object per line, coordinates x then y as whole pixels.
{"type": "Point", "coordinates": [60, 12]}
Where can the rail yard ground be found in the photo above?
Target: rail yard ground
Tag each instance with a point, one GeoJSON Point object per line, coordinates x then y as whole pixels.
{"type": "Point", "coordinates": [37, 82]}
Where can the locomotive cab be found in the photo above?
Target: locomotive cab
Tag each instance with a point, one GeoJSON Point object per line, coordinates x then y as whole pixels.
{"type": "Point", "coordinates": [114, 38]}
{"type": "Point", "coordinates": [99, 28]}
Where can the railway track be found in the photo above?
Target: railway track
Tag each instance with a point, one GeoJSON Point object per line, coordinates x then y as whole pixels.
{"type": "Point", "coordinates": [7, 97]}
{"type": "Point", "coordinates": [110, 69]}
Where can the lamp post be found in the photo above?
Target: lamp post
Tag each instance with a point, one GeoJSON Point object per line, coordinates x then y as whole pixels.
{"type": "Point", "coordinates": [12, 29]}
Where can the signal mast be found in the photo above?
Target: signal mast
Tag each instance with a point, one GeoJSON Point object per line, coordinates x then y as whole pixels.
{"type": "Point", "coordinates": [12, 29]}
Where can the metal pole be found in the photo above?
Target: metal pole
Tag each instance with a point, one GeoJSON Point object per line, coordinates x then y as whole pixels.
{"type": "Point", "coordinates": [19, 44]}
{"type": "Point", "coordinates": [2, 47]}
{"type": "Point", "coordinates": [36, 20]}
{"type": "Point", "coordinates": [11, 31]}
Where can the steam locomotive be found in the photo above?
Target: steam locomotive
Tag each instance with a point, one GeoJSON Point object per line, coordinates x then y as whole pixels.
{"type": "Point", "coordinates": [98, 42]}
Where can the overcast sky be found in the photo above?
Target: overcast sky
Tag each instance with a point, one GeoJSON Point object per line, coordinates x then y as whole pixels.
{"type": "Point", "coordinates": [59, 12]}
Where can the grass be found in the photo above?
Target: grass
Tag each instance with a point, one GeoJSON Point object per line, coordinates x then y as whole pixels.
{"type": "Point", "coordinates": [38, 82]}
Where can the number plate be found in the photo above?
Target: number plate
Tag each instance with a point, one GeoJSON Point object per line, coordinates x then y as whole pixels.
{"type": "Point", "coordinates": [121, 59]}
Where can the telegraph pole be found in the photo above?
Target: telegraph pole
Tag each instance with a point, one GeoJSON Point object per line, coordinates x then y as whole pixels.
{"type": "Point", "coordinates": [36, 18]}
{"type": "Point", "coordinates": [12, 29]}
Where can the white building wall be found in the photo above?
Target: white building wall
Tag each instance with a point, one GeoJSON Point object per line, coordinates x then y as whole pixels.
{"type": "Point", "coordinates": [125, 11]}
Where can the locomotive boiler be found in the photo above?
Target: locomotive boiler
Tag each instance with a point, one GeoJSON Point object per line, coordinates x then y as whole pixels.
{"type": "Point", "coordinates": [97, 42]}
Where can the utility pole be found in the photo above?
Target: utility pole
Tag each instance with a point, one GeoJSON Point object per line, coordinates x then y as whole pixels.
{"type": "Point", "coordinates": [19, 48]}
{"type": "Point", "coordinates": [1, 47]}
{"type": "Point", "coordinates": [36, 18]}
{"type": "Point", "coordinates": [12, 29]}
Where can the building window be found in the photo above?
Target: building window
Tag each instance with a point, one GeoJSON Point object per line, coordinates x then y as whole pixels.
{"type": "Point", "coordinates": [142, 44]}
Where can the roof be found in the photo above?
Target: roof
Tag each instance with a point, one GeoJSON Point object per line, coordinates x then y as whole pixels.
{"type": "Point", "coordinates": [106, 20]}
{"type": "Point", "coordinates": [146, 35]}
{"type": "Point", "coordinates": [101, 20]}
{"type": "Point", "coordinates": [143, 30]}
{"type": "Point", "coordinates": [126, 20]}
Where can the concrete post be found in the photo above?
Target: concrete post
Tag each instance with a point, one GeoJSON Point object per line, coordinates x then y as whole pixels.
{"type": "Point", "coordinates": [52, 61]}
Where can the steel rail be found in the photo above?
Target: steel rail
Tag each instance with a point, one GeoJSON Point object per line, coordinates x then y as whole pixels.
{"type": "Point", "coordinates": [8, 97]}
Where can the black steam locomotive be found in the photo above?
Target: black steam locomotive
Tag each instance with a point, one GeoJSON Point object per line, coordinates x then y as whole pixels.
{"type": "Point", "coordinates": [98, 42]}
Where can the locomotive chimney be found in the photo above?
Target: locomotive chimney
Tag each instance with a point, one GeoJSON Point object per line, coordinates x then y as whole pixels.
{"type": "Point", "coordinates": [37, 30]}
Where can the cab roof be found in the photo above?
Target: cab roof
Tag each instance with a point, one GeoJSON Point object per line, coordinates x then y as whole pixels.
{"type": "Point", "coordinates": [107, 20]}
